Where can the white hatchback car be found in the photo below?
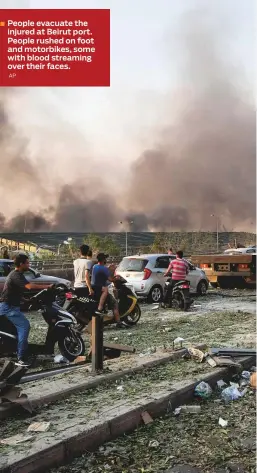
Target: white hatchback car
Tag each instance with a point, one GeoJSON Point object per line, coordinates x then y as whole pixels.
{"type": "Point", "coordinates": [241, 251]}
{"type": "Point", "coordinates": [145, 273]}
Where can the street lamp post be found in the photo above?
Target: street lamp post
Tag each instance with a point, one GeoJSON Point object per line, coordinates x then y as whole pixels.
{"type": "Point", "coordinates": [68, 242]}
{"type": "Point", "coordinates": [126, 234]}
{"type": "Point", "coordinates": [217, 230]}
{"type": "Point", "coordinates": [65, 242]}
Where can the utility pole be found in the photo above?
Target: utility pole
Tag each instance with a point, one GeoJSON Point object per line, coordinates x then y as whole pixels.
{"type": "Point", "coordinates": [126, 234]}
{"type": "Point", "coordinates": [217, 230]}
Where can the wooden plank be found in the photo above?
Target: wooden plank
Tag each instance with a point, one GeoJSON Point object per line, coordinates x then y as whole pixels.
{"type": "Point", "coordinates": [115, 346]}
{"type": "Point", "coordinates": [97, 343]}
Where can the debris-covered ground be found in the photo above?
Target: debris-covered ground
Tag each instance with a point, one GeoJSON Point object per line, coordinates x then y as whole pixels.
{"type": "Point", "coordinates": [219, 319]}
{"type": "Point", "coordinates": [196, 440]}
{"type": "Point", "coordinates": [129, 388]}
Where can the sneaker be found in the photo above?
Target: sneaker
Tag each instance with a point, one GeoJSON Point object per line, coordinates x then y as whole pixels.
{"type": "Point", "coordinates": [121, 325]}
{"type": "Point", "coordinates": [99, 312]}
{"type": "Point", "coordinates": [22, 364]}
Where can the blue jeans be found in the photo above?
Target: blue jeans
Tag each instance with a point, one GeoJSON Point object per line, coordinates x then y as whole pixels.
{"type": "Point", "coordinates": [22, 325]}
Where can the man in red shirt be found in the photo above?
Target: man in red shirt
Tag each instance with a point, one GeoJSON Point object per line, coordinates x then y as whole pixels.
{"type": "Point", "coordinates": [180, 269]}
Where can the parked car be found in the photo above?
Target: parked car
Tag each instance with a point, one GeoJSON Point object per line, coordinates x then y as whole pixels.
{"type": "Point", "coordinates": [241, 251]}
{"type": "Point", "coordinates": [33, 276]}
{"type": "Point", "coordinates": [145, 273]}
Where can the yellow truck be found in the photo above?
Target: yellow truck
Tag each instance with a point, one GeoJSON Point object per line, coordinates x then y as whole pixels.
{"type": "Point", "coordinates": [228, 271]}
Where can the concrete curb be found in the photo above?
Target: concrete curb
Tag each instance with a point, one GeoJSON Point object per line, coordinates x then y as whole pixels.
{"type": "Point", "coordinates": [128, 419]}
{"type": "Point", "coordinates": [9, 410]}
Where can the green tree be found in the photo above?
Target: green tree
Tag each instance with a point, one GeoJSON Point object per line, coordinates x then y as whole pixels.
{"type": "Point", "coordinates": [105, 244]}
{"type": "Point", "coordinates": [93, 241]}
{"type": "Point", "coordinates": [161, 243]}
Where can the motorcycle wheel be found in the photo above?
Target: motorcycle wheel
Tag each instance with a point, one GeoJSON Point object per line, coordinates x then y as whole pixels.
{"type": "Point", "coordinates": [178, 301]}
{"type": "Point", "coordinates": [133, 318]}
{"type": "Point", "coordinates": [187, 305]}
{"type": "Point", "coordinates": [71, 345]}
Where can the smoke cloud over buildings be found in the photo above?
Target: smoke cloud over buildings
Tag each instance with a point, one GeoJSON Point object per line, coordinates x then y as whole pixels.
{"type": "Point", "coordinates": [203, 161]}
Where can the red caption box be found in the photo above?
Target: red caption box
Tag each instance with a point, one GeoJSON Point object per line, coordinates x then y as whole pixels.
{"type": "Point", "coordinates": [54, 48]}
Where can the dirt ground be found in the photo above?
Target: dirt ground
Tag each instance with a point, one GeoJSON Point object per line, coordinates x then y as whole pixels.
{"type": "Point", "coordinates": [219, 319]}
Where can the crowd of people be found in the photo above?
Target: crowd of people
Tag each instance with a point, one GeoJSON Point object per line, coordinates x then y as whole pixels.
{"type": "Point", "coordinates": [91, 279]}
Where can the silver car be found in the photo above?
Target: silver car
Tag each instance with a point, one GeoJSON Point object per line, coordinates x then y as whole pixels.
{"type": "Point", "coordinates": [145, 273]}
{"type": "Point", "coordinates": [34, 277]}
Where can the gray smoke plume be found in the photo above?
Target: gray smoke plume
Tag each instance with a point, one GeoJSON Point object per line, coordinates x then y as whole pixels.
{"type": "Point", "coordinates": [84, 214]}
{"type": "Point", "coordinates": [20, 179]}
{"type": "Point", "coordinates": [25, 182]}
{"type": "Point", "coordinates": [203, 163]}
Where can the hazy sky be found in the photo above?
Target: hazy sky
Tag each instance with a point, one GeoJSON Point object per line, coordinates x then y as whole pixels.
{"type": "Point", "coordinates": [174, 83]}
{"type": "Point", "coordinates": [144, 68]}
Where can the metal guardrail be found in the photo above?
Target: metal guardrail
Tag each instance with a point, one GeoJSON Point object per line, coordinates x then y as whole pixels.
{"type": "Point", "coordinates": [63, 264]}
{"type": "Point", "coordinates": [52, 264]}
{"type": "Point", "coordinates": [67, 264]}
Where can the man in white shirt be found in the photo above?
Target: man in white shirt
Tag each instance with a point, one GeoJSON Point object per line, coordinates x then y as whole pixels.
{"type": "Point", "coordinates": [82, 270]}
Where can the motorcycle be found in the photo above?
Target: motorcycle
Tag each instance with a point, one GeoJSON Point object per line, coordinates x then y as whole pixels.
{"type": "Point", "coordinates": [83, 307]}
{"type": "Point", "coordinates": [62, 329]}
{"type": "Point", "coordinates": [180, 296]}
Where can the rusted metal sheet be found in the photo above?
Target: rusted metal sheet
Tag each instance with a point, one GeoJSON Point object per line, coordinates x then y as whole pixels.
{"type": "Point", "coordinates": [228, 273]}
{"type": "Point", "coordinates": [225, 259]}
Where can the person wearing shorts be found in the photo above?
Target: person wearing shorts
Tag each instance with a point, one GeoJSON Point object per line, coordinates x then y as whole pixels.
{"type": "Point", "coordinates": [101, 276]}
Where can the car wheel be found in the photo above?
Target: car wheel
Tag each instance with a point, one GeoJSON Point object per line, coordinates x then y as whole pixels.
{"type": "Point", "coordinates": [202, 288]}
{"type": "Point", "coordinates": [155, 295]}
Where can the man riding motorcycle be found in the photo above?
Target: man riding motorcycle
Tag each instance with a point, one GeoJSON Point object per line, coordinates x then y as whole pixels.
{"type": "Point", "coordinates": [180, 269]}
{"type": "Point", "coordinates": [10, 302]}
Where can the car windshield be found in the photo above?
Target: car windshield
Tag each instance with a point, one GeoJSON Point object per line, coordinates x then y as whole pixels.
{"type": "Point", "coordinates": [132, 264]}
